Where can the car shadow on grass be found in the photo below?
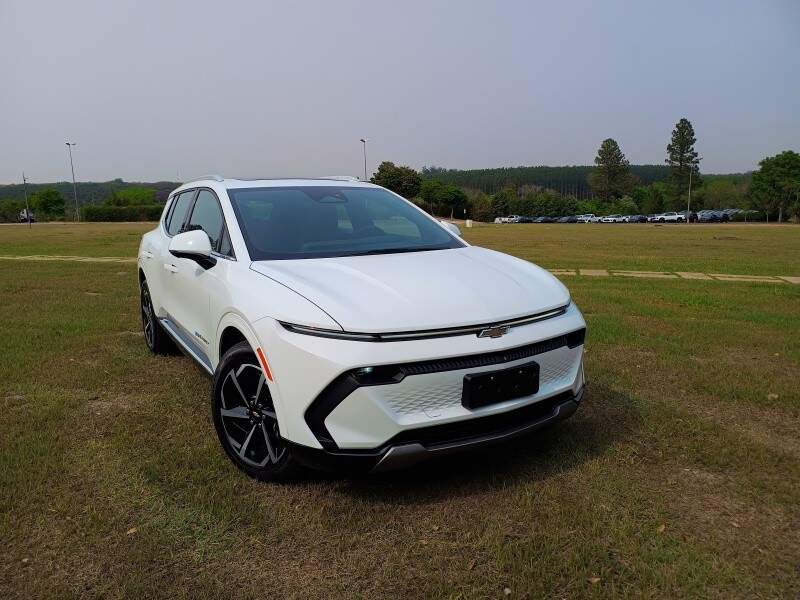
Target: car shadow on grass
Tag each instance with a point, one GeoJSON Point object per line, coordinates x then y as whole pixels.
{"type": "Point", "coordinates": [605, 417]}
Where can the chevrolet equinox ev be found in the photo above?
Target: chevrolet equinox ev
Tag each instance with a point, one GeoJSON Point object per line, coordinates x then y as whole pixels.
{"type": "Point", "coordinates": [345, 328]}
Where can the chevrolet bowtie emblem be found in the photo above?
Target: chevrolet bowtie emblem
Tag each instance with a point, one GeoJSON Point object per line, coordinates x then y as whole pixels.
{"type": "Point", "coordinates": [493, 332]}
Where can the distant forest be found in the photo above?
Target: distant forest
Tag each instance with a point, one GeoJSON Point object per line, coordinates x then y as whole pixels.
{"type": "Point", "coordinates": [89, 192]}
{"type": "Point", "coordinates": [564, 180]}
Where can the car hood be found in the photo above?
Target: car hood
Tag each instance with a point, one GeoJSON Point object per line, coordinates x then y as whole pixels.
{"type": "Point", "coordinates": [420, 290]}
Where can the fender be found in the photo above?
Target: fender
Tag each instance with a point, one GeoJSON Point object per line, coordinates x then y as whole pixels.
{"type": "Point", "coordinates": [234, 319]}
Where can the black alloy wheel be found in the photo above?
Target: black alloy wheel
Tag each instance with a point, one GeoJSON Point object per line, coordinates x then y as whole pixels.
{"type": "Point", "coordinates": [245, 418]}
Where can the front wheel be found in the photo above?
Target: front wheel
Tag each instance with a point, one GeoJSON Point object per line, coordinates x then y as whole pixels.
{"type": "Point", "coordinates": [245, 419]}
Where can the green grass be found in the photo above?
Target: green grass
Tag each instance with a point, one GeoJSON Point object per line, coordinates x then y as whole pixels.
{"type": "Point", "coordinates": [733, 248]}
{"type": "Point", "coordinates": [70, 239]}
{"type": "Point", "coordinates": [678, 477]}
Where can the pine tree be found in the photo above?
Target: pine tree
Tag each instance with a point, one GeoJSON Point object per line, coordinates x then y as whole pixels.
{"type": "Point", "coordinates": [611, 178]}
{"type": "Point", "coordinates": [682, 158]}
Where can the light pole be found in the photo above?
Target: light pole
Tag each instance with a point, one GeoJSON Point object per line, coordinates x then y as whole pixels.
{"type": "Point", "coordinates": [74, 186]}
{"type": "Point", "coordinates": [25, 191]}
{"type": "Point", "coordinates": [689, 201]}
{"type": "Point", "coordinates": [364, 141]}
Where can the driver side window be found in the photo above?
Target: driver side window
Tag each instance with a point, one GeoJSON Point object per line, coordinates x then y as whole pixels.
{"type": "Point", "coordinates": [177, 214]}
{"type": "Point", "coordinates": [207, 215]}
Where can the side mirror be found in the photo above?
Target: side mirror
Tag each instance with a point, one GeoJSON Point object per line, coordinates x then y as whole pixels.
{"type": "Point", "coordinates": [451, 227]}
{"type": "Point", "coordinates": [193, 245]}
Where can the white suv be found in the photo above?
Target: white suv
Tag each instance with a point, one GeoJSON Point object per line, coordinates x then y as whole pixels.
{"type": "Point", "coordinates": [668, 217]}
{"type": "Point", "coordinates": [345, 327]}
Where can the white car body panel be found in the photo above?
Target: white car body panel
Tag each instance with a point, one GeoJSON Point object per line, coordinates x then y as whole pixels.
{"type": "Point", "coordinates": [384, 293]}
{"type": "Point", "coordinates": [390, 293]}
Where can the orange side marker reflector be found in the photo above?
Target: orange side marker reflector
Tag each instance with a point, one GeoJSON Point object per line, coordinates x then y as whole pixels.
{"type": "Point", "coordinates": [264, 364]}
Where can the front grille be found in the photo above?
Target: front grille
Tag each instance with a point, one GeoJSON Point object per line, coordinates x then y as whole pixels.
{"type": "Point", "coordinates": [483, 360]}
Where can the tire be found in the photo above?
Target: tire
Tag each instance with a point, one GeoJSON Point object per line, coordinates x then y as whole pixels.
{"type": "Point", "coordinates": [245, 420]}
{"type": "Point", "coordinates": [157, 340]}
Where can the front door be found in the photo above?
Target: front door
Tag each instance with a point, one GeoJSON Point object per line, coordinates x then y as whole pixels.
{"type": "Point", "coordinates": [192, 285]}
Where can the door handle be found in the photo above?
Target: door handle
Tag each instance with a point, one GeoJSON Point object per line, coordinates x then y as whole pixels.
{"type": "Point", "coordinates": [170, 267]}
{"type": "Point", "coordinates": [147, 254]}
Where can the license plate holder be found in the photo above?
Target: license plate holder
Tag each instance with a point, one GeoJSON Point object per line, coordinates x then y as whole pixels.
{"type": "Point", "coordinates": [491, 387]}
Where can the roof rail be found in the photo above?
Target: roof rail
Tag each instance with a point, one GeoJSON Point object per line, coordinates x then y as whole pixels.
{"type": "Point", "coordinates": [205, 177]}
{"type": "Point", "coordinates": [340, 178]}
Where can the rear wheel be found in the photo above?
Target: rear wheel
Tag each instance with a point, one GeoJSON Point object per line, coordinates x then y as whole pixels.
{"type": "Point", "coordinates": [154, 335]}
{"type": "Point", "coordinates": [245, 419]}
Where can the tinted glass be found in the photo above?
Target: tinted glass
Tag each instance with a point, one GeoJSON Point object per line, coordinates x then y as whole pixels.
{"type": "Point", "coordinates": [225, 244]}
{"type": "Point", "coordinates": [178, 213]}
{"type": "Point", "coordinates": [207, 216]}
{"type": "Point", "coordinates": [316, 222]}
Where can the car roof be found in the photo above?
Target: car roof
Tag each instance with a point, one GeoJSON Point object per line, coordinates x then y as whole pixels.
{"type": "Point", "coordinates": [214, 181]}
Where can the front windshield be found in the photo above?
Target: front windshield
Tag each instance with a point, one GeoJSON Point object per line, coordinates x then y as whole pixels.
{"type": "Point", "coordinates": [280, 223]}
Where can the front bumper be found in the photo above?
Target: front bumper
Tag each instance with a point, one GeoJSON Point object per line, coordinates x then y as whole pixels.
{"type": "Point", "coordinates": [368, 417]}
{"type": "Point", "coordinates": [415, 446]}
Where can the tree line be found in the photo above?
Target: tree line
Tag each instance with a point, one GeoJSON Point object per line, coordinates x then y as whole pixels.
{"type": "Point", "coordinates": [97, 200]}
{"type": "Point", "coordinates": [567, 180]}
{"type": "Point", "coordinates": [122, 202]}
{"type": "Point", "coordinates": [611, 186]}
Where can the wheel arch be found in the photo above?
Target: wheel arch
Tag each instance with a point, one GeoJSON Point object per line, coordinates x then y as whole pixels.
{"type": "Point", "coordinates": [232, 329]}
{"type": "Point", "coordinates": [229, 337]}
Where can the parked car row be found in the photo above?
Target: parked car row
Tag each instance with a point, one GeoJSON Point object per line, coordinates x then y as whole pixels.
{"type": "Point", "coordinates": [715, 216]}
{"type": "Point", "coordinates": [594, 219]}
{"type": "Point", "coordinates": [703, 216]}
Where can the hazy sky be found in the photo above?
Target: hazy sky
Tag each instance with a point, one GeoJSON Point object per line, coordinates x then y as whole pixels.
{"type": "Point", "coordinates": [152, 89]}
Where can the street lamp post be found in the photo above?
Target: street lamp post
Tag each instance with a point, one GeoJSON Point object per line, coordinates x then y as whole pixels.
{"type": "Point", "coordinates": [25, 191]}
{"type": "Point", "coordinates": [364, 142]}
{"type": "Point", "coordinates": [74, 186]}
{"type": "Point", "coordinates": [689, 199]}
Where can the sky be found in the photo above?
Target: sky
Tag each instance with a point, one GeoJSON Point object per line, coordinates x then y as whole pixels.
{"type": "Point", "coordinates": [174, 89]}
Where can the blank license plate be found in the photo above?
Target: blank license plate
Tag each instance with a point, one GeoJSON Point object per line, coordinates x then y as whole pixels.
{"type": "Point", "coordinates": [491, 387]}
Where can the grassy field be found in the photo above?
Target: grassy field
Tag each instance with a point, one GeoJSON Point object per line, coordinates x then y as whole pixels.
{"type": "Point", "coordinates": [678, 477]}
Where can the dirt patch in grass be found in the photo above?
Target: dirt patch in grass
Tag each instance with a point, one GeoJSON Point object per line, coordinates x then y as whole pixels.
{"type": "Point", "coordinates": [707, 512]}
{"type": "Point", "coordinates": [106, 406]}
{"type": "Point", "coordinates": [131, 333]}
{"type": "Point", "coordinates": [772, 428]}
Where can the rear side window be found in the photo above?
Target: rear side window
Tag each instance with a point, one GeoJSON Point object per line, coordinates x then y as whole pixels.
{"type": "Point", "coordinates": [178, 213]}
{"type": "Point", "coordinates": [207, 215]}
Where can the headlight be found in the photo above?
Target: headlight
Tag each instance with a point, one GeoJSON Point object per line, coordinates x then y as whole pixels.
{"type": "Point", "coordinates": [330, 333]}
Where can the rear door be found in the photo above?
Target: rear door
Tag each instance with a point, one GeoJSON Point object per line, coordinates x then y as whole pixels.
{"type": "Point", "coordinates": [162, 280]}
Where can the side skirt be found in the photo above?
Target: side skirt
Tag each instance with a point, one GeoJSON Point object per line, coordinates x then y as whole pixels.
{"type": "Point", "coordinates": [187, 345]}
